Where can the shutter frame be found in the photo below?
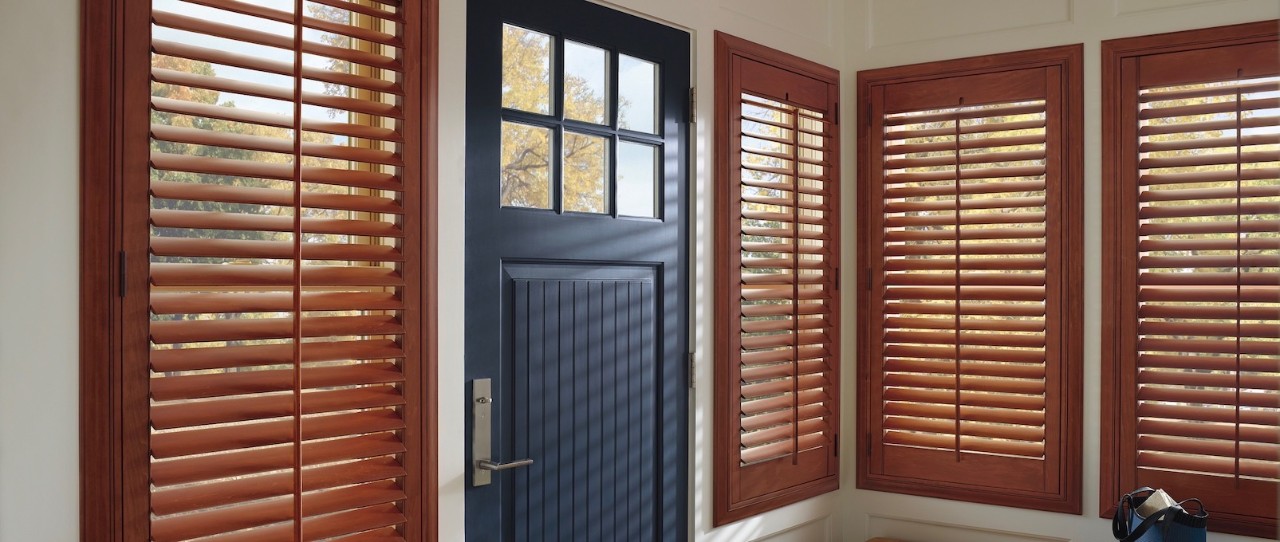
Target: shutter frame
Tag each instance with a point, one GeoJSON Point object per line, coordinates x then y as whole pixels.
{"type": "Point", "coordinates": [742, 491]}
{"type": "Point", "coordinates": [1056, 489]}
{"type": "Point", "coordinates": [1122, 348]}
{"type": "Point", "coordinates": [113, 444]}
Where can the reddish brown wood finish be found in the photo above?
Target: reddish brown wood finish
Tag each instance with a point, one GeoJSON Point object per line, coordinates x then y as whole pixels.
{"type": "Point", "coordinates": [820, 93]}
{"type": "Point", "coordinates": [1120, 85]}
{"type": "Point", "coordinates": [114, 432]}
{"type": "Point", "coordinates": [101, 509]}
{"type": "Point", "coordinates": [985, 79]}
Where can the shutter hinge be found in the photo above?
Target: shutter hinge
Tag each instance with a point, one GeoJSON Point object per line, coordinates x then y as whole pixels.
{"type": "Point", "coordinates": [868, 281]}
{"type": "Point", "coordinates": [868, 113]}
{"type": "Point", "coordinates": [837, 278]}
{"type": "Point", "coordinates": [837, 446]}
{"type": "Point", "coordinates": [693, 372]}
{"type": "Point", "coordinates": [867, 440]}
{"type": "Point", "coordinates": [693, 105]}
{"type": "Point", "coordinates": [123, 266]}
{"type": "Point", "coordinates": [837, 113]}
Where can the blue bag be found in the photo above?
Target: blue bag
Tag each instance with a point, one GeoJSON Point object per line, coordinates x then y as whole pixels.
{"type": "Point", "coordinates": [1170, 524]}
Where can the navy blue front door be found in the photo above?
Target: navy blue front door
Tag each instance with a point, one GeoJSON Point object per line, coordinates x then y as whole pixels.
{"type": "Point", "coordinates": [576, 289]}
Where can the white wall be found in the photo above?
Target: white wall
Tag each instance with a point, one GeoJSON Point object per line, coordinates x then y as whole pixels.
{"type": "Point", "coordinates": [39, 214]}
{"type": "Point", "coordinates": [39, 224]}
{"type": "Point", "coordinates": [882, 33]}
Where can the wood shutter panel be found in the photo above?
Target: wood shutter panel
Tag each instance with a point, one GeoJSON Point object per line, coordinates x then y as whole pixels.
{"type": "Point", "coordinates": [970, 300]}
{"type": "Point", "coordinates": [777, 413]}
{"type": "Point", "coordinates": [274, 204]}
{"type": "Point", "coordinates": [1196, 366]}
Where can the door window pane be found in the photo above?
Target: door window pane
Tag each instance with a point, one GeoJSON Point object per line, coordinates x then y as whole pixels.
{"type": "Point", "coordinates": [637, 179]}
{"type": "Point", "coordinates": [637, 94]}
{"type": "Point", "coordinates": [526, 168]}
{"type": "Point", "coordinates": [586, 87]}
{"type": "Point", "coordinates": [526, 70]}
{"type": "Point", "coordinates": [586, 173]}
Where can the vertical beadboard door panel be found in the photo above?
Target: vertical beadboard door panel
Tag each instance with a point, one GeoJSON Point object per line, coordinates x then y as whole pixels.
{"type": "Point", "coordinates": [583, 369]}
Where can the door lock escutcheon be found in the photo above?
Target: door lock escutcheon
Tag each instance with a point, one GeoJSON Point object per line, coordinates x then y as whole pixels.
{"type": "Point", "coordinates": [483, 465]}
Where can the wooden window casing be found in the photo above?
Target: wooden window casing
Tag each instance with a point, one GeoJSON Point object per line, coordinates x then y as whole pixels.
{"type": "Point", "coordinates": [257, 294]}
{"type": "Point", "coordinates": [969, 287]}
{"type": "Point", "coordinates": [777, 287]}
{"type": "Point", "coordinates": [1191, 264]}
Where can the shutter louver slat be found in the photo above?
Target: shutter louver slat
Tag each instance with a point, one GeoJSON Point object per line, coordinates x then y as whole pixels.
{"type": "Point", "coordinates": [196, 136]}
{"type": "Point", "coordinates": [202, 386]}
{"type": "Point", "coordinates": [220, 248]}
{"type": "Point", "coordinates": [176, 275]}
{"type": "Point", "coordinates": [178, 78]}
{"type": "Point", "coordinates": [276, 120]}
{"type": "Point", "coordinates": [1207, 143]}
{"type": "Point", "coordinates": [204, 220]}
{"type": "Point", "coordinates": [1202, 91]}
{"type": "Point", "coordinates": [377, 535]}
{"type": "Point", "coordinates": [946, 427]}
{"type": "Point", "coordinates": [353, 7]}
{"type": "Point", "coordinates": [1175, 424]}
{"type": "Point", "coordinates": [204, 302]}
{"type": "Point", "coordinates": [258, 407]}
{"type": "Point", "coordinates": [267, 196]}
{"type": "Point", "coordinates": [238, 437]}
{"type": "Point", "coordinates": [284, 315]}
{"type": "Point", "coordinates": [243, 168]}
{"type": "Point", "coordinates": [216, 56]}
{"type": "Point", "coordinates": [185, 471]}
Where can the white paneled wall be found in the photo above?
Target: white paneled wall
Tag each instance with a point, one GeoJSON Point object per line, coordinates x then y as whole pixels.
{"type": "Point", "coordinates": [39, 225]}
{"type": "Point", "coordinates": [39, 213]}
{"type": "Point", "coordinates": [880, 33]}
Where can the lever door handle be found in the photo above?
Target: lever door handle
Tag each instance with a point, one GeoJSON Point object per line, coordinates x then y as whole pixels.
{"type": "Point", "coordinates": [485, 464]}
{"type": "Point", "coordinates": [482, 465]}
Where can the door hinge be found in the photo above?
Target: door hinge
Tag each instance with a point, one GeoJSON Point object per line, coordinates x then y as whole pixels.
{"type": "Point", "coordinates": [122, 262]}
{"type": "Point", "coordinates": [693, 370]}
{"type": "Point", "coordinates": [693, 105]}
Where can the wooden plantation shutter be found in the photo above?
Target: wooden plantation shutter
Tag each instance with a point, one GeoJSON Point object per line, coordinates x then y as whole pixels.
{"type": "Point", "coordinates": [777, 384]}
{"type": "Point", "coordinates": [1195, 340]}
{"type": "Point", "coordinates": [273, 230]}
{"type": "Point", "coordinates": [970, 300]}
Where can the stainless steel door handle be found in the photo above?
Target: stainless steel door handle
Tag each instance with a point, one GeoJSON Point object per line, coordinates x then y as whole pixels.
{"type": "Point", "coordinates": [485, 464]}
{"type": "Point", "coordinates": [482, 436]}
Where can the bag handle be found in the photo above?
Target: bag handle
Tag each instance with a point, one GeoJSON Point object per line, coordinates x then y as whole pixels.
{"type": "Point", "coordinates": [1201, 513]}
{"type": "Point", "coordinates": [1120, 521]}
